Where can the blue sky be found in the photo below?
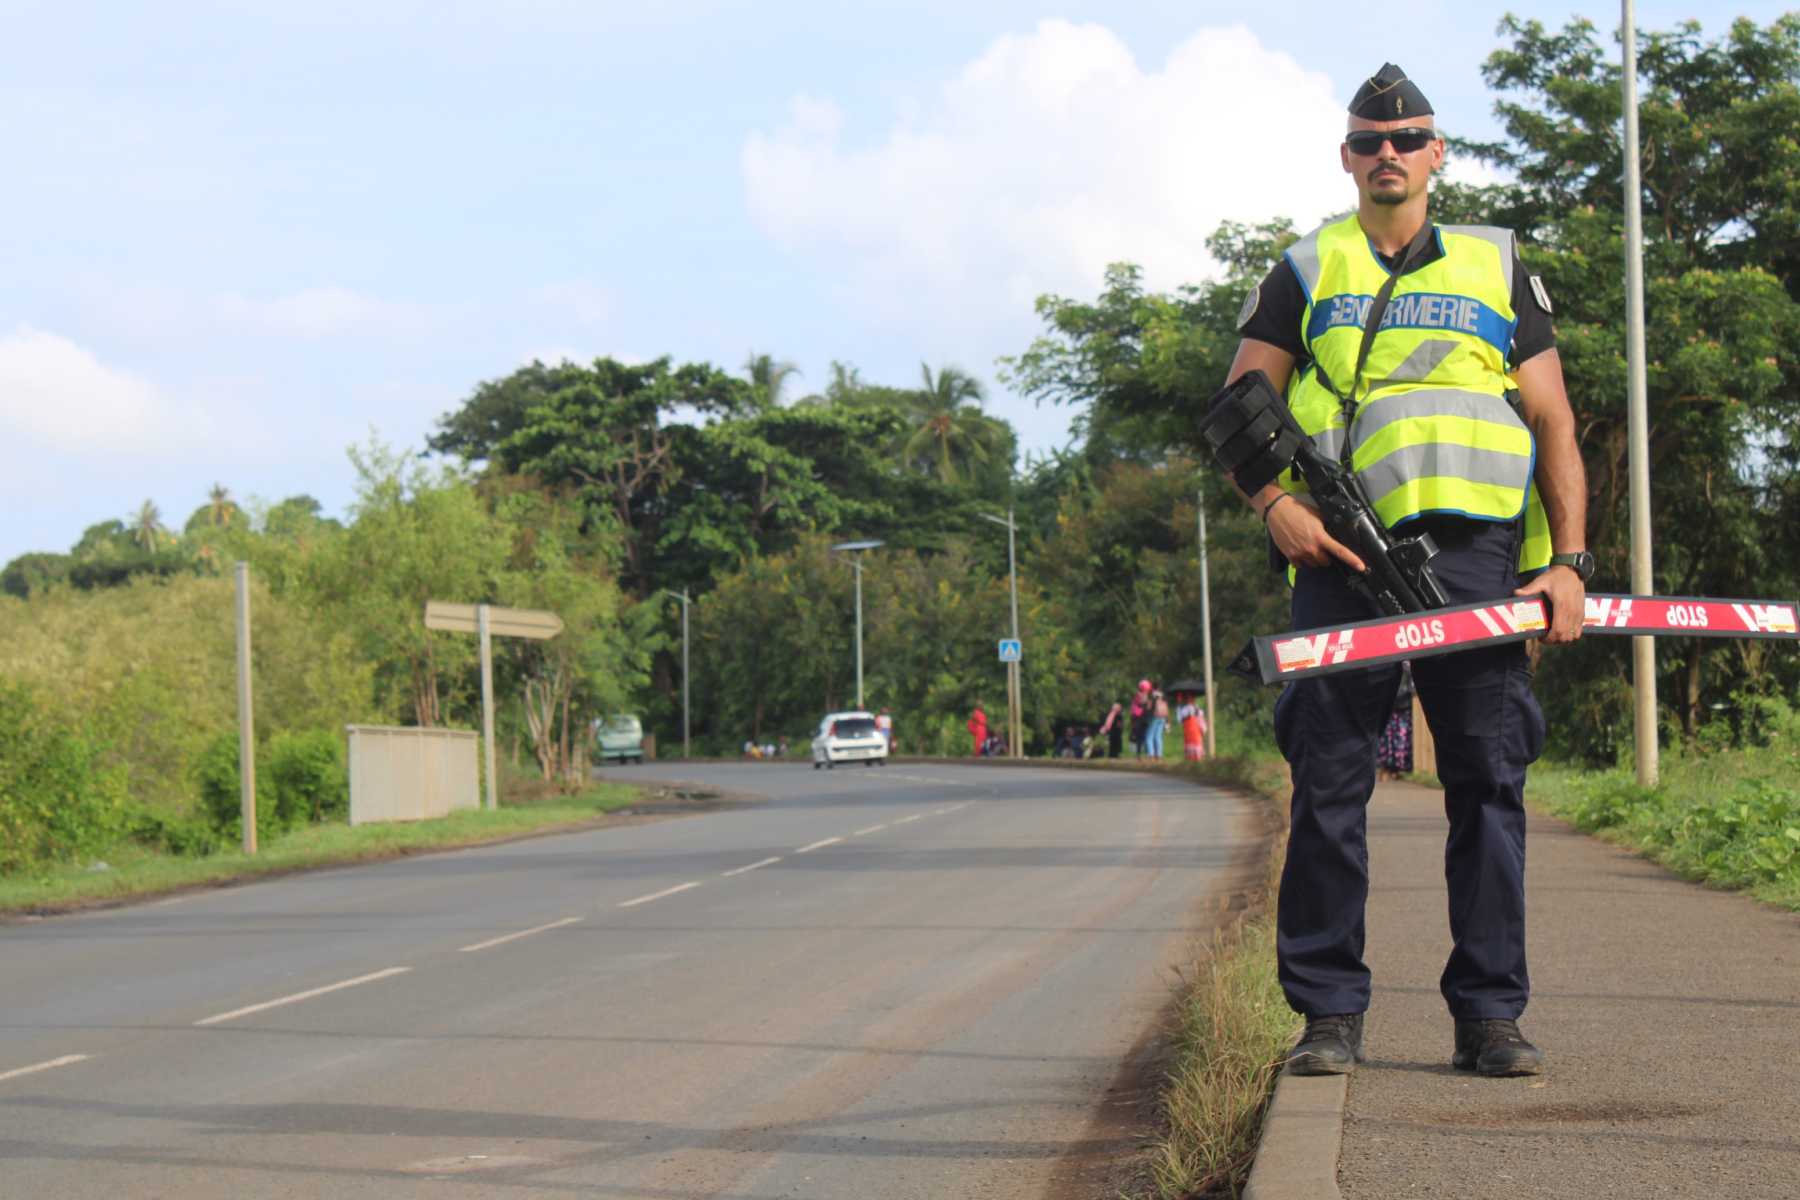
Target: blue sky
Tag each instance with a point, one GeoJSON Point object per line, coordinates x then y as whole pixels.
{"type": "Point", "coordinates": [237, 238]}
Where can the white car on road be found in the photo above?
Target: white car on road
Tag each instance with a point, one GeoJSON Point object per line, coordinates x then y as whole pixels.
{"type": "Point", "coordinates": [848, 737]}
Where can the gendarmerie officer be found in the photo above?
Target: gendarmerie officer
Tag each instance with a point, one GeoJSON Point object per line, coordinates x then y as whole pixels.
{"type": "Point", "coordinates": [1458, 425]}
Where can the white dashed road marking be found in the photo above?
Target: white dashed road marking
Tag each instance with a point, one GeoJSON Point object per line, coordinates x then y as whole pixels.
{"type": "Point", "coordinates": [299, 996]}
{"type": "Point", "coordinates": [680, 887]}
{"type": "Point", "coordinates": [910, 820]}
{"type": "Point", "coordinates": [819, 845]}
{"type": "Point", "coordinates": [34, 1068]}
{"type": "Point", "coordinates": [507, 937]}
{"type": "Point", "coordinates": [870, 829]}
{"type": "Point", "coordinates": [740, 870]}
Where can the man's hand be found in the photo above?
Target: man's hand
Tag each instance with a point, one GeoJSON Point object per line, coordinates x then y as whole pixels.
{"type": "Point", "coordinates": [1568, 601]}
{"type": "Point", "coordinates": [1301, 537]}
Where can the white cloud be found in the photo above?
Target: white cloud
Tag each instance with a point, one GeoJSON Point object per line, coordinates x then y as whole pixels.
{"type": "Point", "coordinates": [1049, 156]}
{"type": "Point", "coordinates": [55, 393]}
{"type": "Point", "coordinates": [318, 312]}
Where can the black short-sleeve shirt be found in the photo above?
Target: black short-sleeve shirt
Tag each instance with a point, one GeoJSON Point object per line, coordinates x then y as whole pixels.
{"type": "Point", "coordinates": [1281, 301]}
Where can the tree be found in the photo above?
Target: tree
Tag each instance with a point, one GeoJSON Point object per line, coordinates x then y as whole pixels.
{"type": "Point", "coordinates": [1722, 244]}
{"type": "Point", "coordinates": [948, 430]}
{"type": "Point", "coordinates": [147, 529]}
{"type": "Point", "coordinates": [768, 378]}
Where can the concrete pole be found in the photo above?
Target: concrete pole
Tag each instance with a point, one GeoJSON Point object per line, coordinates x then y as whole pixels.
{"type": "Point", "coordinates": [246, 720]}
{"type": "Point", "coordinates": [1016, 696]}
{"type": "Point", "coordinates": [686, 675]}
{"type": "Point", "coordinates": [1212, 743]}
{"type": "Point", "coordinates": [487, 704]}
{"type": "Point", "coordinates": [1643, 649]}
{"type": "Point", "coordinates": [856, 563]}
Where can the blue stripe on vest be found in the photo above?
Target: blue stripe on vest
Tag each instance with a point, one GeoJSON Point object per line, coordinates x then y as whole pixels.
{"type": "Point", "coordinates": [1414, 310]}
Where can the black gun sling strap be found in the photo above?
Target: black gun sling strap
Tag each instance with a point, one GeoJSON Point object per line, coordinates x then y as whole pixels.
{"type": "Point", "coordinates": [1377, 310]}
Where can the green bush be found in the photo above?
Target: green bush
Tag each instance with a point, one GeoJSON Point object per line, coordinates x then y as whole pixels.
{"type": "Point", "coordinates": [308, 777]}
{"type": "Point", "coordinates": [189, 837]}
{"type": "Point", "coordinates": [57, 802]}
{"type": "Point", "coordinates": [220, 784]}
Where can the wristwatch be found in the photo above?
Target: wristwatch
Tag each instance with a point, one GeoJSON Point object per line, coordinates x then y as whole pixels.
{"type": "Point", "coordinates": [1580, 561]}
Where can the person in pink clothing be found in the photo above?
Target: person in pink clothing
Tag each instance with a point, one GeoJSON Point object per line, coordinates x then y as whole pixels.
{"type": "Point", "coordinates": [1193, 726]}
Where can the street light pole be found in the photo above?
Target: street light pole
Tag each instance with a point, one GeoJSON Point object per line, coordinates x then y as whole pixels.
{"type": "Point", "coordinates": [1015, 697]}
{"type": "Point", "coordinates": [855, 550]}
{"type": "Point", "coordinates": [1643, 649]}
{"type": "Point", "coordinates": [685, 675]}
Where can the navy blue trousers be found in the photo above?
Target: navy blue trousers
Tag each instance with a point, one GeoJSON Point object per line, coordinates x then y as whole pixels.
{"type": "Point", "coordinates": [1488, 729]}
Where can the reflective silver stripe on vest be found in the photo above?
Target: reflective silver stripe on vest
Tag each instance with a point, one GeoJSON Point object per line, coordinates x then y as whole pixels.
{"type": "Point", "coordinates": [1383, 411]}
{"type": "Point", "coordinates": [1418, 365]}
{"type": "Point", "coordinates": [1433, 459]}
{"type": "Point", "coordinates": [1330, 442]}
{"type": "Point", "coordinates": [1304, 255]}
{"type": "Point", "coordinates": [1502, 239]}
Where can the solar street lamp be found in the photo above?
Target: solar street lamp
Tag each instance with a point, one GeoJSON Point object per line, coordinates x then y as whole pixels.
{"type": "Point", "coordinates": [856, 550]}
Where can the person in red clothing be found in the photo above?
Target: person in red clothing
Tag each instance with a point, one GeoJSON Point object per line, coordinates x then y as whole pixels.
{"type": "Point", "coordinates": [978, 729]}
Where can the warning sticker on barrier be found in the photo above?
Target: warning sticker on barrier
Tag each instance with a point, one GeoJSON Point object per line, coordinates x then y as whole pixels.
{"type": "Point", "coordinates": [1281, 657]}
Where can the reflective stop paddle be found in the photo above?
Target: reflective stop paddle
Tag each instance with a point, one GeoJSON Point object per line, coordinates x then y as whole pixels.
{"type": "Point", "coordinates": [1277, 658]}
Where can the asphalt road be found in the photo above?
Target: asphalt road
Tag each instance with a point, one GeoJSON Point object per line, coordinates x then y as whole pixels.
{"type": "Point", "coordinates": [898, 982]}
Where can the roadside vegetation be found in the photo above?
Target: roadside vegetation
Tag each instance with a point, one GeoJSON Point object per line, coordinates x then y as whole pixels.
{"type": "Point", "coordinates": [1723, 815]}
{"type": "Point", "coordinates": [132, 870]}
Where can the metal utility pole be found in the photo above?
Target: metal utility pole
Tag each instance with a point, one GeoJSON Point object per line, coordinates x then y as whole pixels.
{"type": "Point", "coordinates": [683, 597]}
{"type": "Point", "coordinates": [246, 721]}
{"type": "Point", "coordinates": [1015, 698]}
{"type": "Point", "coordinates": [855, 550]}
{"type": "Point", "coordinates": [1212, 743]}
{"type": "Point", "coordinates": [1643, 649]}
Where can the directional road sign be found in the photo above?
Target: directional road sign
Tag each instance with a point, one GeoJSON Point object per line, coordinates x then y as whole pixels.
{"type": "Point", "coordinates": [502, 622]}
{"type": "Point", "coordinates": [1011, 650]}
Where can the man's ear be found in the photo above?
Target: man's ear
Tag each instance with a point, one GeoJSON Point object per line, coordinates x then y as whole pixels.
{"type": "Point", "coordinates": [1344, 156]}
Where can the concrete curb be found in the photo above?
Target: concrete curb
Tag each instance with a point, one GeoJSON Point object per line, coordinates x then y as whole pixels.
{"type": "Point", "coordinates": [1297, 1158]}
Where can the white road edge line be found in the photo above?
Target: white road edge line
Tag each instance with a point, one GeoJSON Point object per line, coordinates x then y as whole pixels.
{"type": "Point", "coordinates": [870, 829]}
{"type": "Point", "coordinates": [680, 887]}
{"type": "Point", "coordinates": [34, 1068]}
{"type": "Point", "coordinates": [507, 937]}
{"type": "Point", "coordinates": [299, 996]}
{"type": "Point", "coordinates": [740, 870]}
{"type": "Point", "coordinates": [910, 820]}
{"type": "Point", "coordinates": [953, 808]}
{"type": "Point", "coordinates": [819, 845]}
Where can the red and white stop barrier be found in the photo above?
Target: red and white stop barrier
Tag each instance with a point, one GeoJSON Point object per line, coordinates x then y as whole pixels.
{"type": "Point", "coordinates": [1280, 657]}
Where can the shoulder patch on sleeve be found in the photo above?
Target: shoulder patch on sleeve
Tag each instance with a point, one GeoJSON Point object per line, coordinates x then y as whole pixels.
{"type": "Point", "coordinates": [1249, 308]}
{"type": "Point", "coordinates": [1541, 294]}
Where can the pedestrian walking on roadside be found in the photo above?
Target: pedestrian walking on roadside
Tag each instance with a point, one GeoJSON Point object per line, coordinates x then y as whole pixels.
{"type": "Point", "coordinates": [884, 725]}
{"type": "Point", "coordinates": [1110, 730]}
{"type": "Point", "coordinates": [978, 730]}
{"type": "Point", "coordinates": [1449, 407]}
{"type": "Point", "coordinates": [1140, 718]}
{"type": "Point", "coordinates": [1159, 722]}
{"type": "Point", "coordinates": [1193, 727]}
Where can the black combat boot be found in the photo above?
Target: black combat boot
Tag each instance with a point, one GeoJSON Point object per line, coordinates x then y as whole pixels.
{"type": "Point", "coordinates": [1495, 1047]}
{"type": "Point", "coordinates": [1330, 1046]}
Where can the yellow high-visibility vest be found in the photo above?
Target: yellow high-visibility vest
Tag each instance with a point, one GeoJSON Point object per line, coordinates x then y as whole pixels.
{"type": "Point", "coordinates": [1430, 429]}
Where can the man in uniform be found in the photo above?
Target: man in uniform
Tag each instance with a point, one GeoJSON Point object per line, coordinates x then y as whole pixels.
{"type": "Point", "coordinates": [1458, 425]}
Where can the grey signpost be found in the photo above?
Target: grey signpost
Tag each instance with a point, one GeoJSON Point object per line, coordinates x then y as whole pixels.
{"type": "Point", "coordinates": [488, 622]}
{"type": "Point", "coordinates": [1212, 744]}
{"type": "Point", "coordinates": [1015, 716]}
{"type": "Point", "coordinates": [246, 722]}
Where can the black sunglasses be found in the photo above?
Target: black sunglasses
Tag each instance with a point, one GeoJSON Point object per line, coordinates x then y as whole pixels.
{"type": "Point", "coordinates": [1367, 142]}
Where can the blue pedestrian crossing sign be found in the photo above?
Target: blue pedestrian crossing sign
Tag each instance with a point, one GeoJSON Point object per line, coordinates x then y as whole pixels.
{"type": "Point", "coordinates": [1011, 650]}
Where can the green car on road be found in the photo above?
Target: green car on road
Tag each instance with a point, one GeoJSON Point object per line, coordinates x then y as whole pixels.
{"type": "Point", "coordinates": [619, 738]}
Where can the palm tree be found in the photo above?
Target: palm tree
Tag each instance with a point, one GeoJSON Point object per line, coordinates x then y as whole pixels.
{"type": "Point", "coordinates": [220, 507]}
{"type": "Point", "coordinates": [146, 526]}
{"type": "Point", "coordinates": [768, 377]}
{"type": "Point", "coordinates": [947, 421]}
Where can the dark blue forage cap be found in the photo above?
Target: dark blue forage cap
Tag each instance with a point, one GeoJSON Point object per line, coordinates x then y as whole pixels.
{"type": "Point", "coordinates": [1388, 95]}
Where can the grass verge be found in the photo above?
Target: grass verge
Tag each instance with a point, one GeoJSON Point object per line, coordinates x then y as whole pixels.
{"type": "Point", "coordinates": [132, 872]}
{"type": "Point", "coordinates": [1729, 818]}
{"type": "Point", "coordinates": [1233, 1024]}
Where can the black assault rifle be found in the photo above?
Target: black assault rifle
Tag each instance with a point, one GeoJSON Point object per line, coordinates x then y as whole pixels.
{"type": "Point", "coordinates": [1254, 438]}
